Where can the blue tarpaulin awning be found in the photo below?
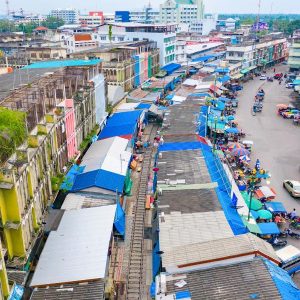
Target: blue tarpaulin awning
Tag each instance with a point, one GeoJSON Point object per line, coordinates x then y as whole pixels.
{"type": "Point", "coordinates": [99, 178]}
{"type": "Point", "coordinates": [143, 106]}
{"type": "Point", "coordinates": [232, 130]}
{"type": "Point", "coordinates": [223, 79]}
{"type": "Point", "coordinates": [203, 58]}
{"type": "Point", "coordinates": [275, 207]}
{"type": "Point", "coordinates": [184, 295]}
{"type": "Point", "coordinates": [222, 70]}
{"type": "Point", "coordinates": [120, 124]}
{"type": "Point", "coordinates": [119, 222]}
{"type": "Point", "coordinates": [170, 68]}
{"type": "Point", "coordinates": [268, 228]}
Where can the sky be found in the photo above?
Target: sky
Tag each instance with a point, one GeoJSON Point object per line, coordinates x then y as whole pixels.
{"type": "Point", "coordinates": [212, 6]}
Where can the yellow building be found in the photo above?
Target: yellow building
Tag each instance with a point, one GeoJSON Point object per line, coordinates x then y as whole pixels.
{"type": "Point", "coordinates": [31, 170]}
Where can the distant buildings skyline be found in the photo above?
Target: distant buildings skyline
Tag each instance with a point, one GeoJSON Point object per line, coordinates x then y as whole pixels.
{"type": "Point", "coordinates": [212, 6]}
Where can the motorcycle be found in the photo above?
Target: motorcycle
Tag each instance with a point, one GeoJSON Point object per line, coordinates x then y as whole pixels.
{"type": "Point", "coordinates": [292, 234]}
{"type": "Point", "coordinates": [282, 234]}
{"type": "Point", "coordinates": [294, 224]}
{"type": "Point", "coordinates": [277, 243]}
{"type": "Point", "coordinates": [270, 79]}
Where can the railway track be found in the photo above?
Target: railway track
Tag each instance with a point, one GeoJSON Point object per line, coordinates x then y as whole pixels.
{"type": "Point", "coordinates": [134, 287]}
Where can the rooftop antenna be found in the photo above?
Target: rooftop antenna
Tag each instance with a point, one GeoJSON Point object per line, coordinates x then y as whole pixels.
{"type": "Point", "coordinates": [258, 16]}
{"type": "Point", "coordinates": [7, 7]}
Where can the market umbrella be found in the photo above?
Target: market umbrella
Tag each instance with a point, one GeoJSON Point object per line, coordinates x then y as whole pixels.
{"type": "Point", "coordinates": [232, 130]}
{"type": "Point", "coordinates": [264, 214]}
{"type": "Point", "coordinates": [254, 214]}
{"type": "Point", "coordinates": [255, 204]}
{"type": "Point", "coordinates": [282, 106]}
{"type": "Point", "coordinates": [230, 118]}
{"type": "Point", "coordinates": [235, 145]}
{"type": "Point", "coordinates": [240, 152]}
{"type": "Point", "coordinates": [245, 158]}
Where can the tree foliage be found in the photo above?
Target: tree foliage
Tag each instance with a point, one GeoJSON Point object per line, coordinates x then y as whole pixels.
{"type": "Point", "coordinates": [12, 131]}
{"type": "Point", "coordinates": [27, 28]}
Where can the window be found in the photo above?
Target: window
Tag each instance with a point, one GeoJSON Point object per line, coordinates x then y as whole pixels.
{"type": "Point", "coordinates": [231, 53]}
{"type": "Point", "coordinates": [240, 54]}
{"type": "Point", "coordinates": [103, 38]}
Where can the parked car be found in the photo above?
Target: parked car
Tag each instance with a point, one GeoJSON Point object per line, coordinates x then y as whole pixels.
{"type": "Point", "coordinates": [293, 187]}
{"type": "Point", "coordinates": [263, 77]}
{"type": "Point", "coordinates": [289, 85]}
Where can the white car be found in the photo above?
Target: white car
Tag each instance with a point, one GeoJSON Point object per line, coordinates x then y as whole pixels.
{"type": "Point", "coordinates": [263, 77]}
{"type": "Point", "coordinates": [289, 85]}
{"type": "Point", "coordinates": [293, 187]}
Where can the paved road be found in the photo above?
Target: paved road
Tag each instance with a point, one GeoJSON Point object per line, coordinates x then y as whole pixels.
{"type": "Point", "coordinates": [276, 140]}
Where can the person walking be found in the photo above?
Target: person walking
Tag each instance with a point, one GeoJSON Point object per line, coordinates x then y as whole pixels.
{"type": "Point", "coordinates": [274, 70]}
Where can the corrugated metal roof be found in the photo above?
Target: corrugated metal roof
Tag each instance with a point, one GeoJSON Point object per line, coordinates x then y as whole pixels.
{"type": "Point", "coordinates": [177, 229]}
{"type": "Point", "coordinates": [77, 251]}
{"type": "Point", "coordinates": [242, 281]}
{"type": "Point", "coordinates": [217, 250]}
{"type": "Point", "coordinates": [93, 290]}
{"type": "Point", "coordinates": [109, 155]}
{"type": "Point", "coordinates": [78, 201]}
{"type": "Point", "coordinates": [63, 63]}
{"type": "Point", "coordinates": [101, 179]}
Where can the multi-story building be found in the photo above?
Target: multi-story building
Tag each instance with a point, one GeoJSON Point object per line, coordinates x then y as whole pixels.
{"type": "Point", "coordinates": [294, 55]}
{"type": "Point", "coordinates": [163, 34]}
{"type": "Point", "coordinates": [80, 42]}
{"type": "Point", "coordinates": [271, 49]}
{"type": "Point", "coordinates": [181, 11]}
{"type": "Point", "coordinates": [94, 18]}
{"type": "Point", "coordinates": [147, 15]}
{"type": "Point", "coordinates": [122, 16]}
{"type": "Point", "coordinates": [189, 50]}
{"type": "Point", "coordinates": [70, 16]}
{"type": "Point", "coordinates": [128, 65]}
{"type": "Point", "coordinates": [229, 24]}
{"type": "Point", "coordinates": [56, 109]}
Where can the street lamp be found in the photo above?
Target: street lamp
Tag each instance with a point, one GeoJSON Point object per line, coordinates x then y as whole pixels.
{"type": "Point", "coordinates": [251, 189]}
{"type": "Point", "coordinates": [215, 133]}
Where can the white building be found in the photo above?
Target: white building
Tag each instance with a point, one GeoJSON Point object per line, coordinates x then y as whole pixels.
{"type": "Point", "coordinates": [109, 17]}
{"type": "Point", "coordinates": [163, 35]}
{"type": "Point", "coordinates": [92, 19]}
{"type": "Point", "coordinates": [252, 54]}
{"type": "Point", "coordinates": [181, 11]}
{"type": "Point", "coordinates": [80, 42]}
{"type": "Point", "coordinates": [70, 16]}
{"type": "Point", "coordinates": [147, 15]}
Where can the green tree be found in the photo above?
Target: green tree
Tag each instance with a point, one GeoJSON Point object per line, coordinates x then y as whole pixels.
{"type": "Point", "coordinates": [52, 22]}
{"type": "Point", "coordinates": [12, 131]}
{"type": "Point", "coordinates": [6, 26]}
{"type": "Point", "coordinates": [110, 32]}
{"type": "Point", "coordinates": [27, 28]}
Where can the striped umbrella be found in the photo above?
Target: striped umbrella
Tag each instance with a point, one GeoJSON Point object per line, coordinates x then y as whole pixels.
{"type": "Point", "coordinates": [240, 152]}
{"type": "Point", "coordinates": [232, 146]}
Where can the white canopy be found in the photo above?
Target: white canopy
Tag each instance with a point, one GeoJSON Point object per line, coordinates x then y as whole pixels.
{"type": "Point", "coordinates": [77, 251]}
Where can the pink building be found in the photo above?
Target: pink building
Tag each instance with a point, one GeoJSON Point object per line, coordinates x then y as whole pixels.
{"type": "Point", "coordinates": [70, 128]}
